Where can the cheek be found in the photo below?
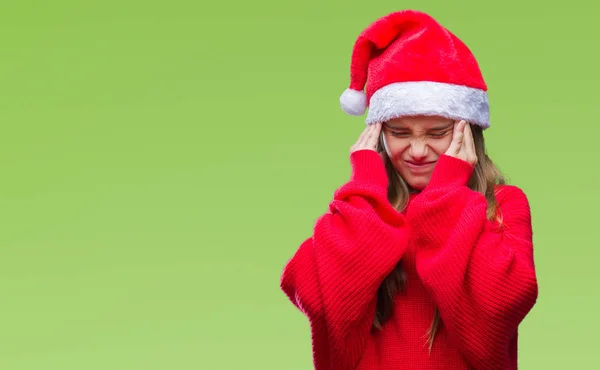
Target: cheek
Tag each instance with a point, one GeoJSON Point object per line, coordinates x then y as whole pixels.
{"type": "Point", "coordinates": [441, 146]}
{"type": "Point", "coordinates": [394, 146]}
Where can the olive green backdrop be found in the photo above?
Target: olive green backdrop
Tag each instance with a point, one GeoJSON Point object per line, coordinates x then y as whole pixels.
{"type": "Point", "coordinates": [161, 161]}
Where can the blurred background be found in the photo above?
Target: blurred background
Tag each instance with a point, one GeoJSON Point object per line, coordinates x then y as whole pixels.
{"type": "Point", "coordinates": [161, 162]}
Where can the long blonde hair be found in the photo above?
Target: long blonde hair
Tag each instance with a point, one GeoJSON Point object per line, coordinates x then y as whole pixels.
{"type": "Point", "coordinates": [485, 176]}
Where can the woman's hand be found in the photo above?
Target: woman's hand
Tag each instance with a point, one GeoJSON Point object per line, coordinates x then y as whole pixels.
{"type": "Point", "coordinates": [462, 145]}
{"type": "Point", "coordinates": [367, 139]}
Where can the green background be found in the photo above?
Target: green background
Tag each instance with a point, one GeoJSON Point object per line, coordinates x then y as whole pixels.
{"type": "Point", "coordinates": [161, 162]}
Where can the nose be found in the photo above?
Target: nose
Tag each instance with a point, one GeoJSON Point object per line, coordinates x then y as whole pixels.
{"type": "Point", "coordinates": [418, 150]}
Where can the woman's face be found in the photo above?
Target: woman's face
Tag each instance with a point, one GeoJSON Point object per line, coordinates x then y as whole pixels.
{"type": "Point", "coordinates": [414, 145]}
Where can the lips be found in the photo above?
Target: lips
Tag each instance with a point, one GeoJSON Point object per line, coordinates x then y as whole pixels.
{"type": "Point", "coordinates": [418, 166]}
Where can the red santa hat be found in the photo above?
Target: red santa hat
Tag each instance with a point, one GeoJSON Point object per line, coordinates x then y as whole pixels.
{"type": "Point", "coordinates": [407, 64]}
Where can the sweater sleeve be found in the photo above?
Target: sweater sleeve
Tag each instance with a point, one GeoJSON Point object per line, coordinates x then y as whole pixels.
{"type": "Point", "coordinates": [481, 278]}
{"type": "Point", "coordinates": [334, 275]}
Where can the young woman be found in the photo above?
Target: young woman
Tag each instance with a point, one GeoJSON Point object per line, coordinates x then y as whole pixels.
{"type": "Point", "coordinates": [424, 259]}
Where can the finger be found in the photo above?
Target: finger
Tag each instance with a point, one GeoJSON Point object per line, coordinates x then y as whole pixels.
{"type": "Point", "coordinates": [457, 137]}
{"type": "Point", "coordinates": [374, 136]}
{"type": "Point", "coordinates": [452, 140]}
{"type": "Point", "coordinates": [469, 139]}
{"type": "Point", "coordinates": [362, 137]}
{"type": "Point", "coordinates": [472, 153]}
{"type": "Point", "coordinates": [368, 137]}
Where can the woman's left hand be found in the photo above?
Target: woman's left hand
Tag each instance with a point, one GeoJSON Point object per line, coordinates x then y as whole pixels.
{"type": "Point", "coordinates": [462, 145]}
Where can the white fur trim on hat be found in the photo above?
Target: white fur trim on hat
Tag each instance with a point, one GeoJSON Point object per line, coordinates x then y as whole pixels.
{"type": "Point", "coordinates": [429, 98]}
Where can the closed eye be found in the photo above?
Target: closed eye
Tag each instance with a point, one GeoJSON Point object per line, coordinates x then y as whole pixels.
{"type": "Point", "coordinates": [439, 134]}
{"type": "Point", "coordinates": [406, 134]}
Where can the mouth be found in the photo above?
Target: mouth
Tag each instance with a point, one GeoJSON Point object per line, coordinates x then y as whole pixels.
{"type": "Point", "coordinates": [421, 165]}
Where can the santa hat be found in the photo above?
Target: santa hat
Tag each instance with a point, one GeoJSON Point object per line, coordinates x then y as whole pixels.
{"type": "Point", "coordinates": [411, 65]}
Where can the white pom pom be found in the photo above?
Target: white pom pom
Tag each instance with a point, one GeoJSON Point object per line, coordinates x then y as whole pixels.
{"type": "Point", "coordinates": [354, 102]}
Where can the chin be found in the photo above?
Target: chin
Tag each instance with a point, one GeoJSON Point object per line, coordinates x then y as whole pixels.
{"type": "Point", "coordinates": [418, 186]}
{"type": "Point", "coordinates": [418, 183]}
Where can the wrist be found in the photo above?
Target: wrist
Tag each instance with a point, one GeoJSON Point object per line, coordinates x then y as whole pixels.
{"type": "Point", "coordinates": [450, 172]}
{"type": "Point", "coordinates": [368, 167]}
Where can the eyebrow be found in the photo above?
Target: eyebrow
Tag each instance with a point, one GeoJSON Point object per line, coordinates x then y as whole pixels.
{"type": "Point", "coordinates": [436, 128]}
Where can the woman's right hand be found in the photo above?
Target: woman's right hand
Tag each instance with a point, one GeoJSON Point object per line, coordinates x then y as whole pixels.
{"type": "Point", "coordinates": [367, 139]}
{"type": "Point", "coordinates": [365, 166]}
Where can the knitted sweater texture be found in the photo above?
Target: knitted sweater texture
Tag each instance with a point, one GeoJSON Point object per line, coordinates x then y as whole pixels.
{"type": "Point", "coordinates": [480, 277]}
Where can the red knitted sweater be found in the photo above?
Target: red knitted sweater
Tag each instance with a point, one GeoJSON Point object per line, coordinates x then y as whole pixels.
{"type": "Point", "coordinates": [482, 279]}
